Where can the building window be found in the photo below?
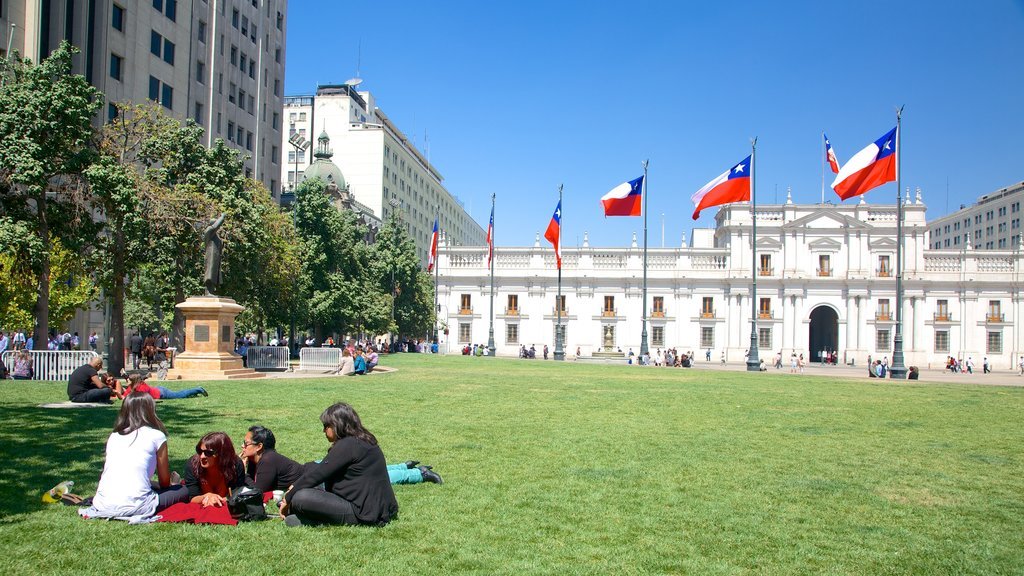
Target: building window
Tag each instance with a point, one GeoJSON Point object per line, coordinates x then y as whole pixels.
{"type": "Point", "coordinates": [512, 308]}
{"type": "Point", "coordinates": [609, 306]}
{"type": "Point", "coordinates": [707, 337]}
{"type": "Point", "coordinates": [201, 31]}
{"type": "Point", "coordinates": [658, 335]}
{"type": "Point", "coordinates": [234, 55]}
{"type": "Point", "coordinates": [824, 265]}
{"type": "Point", "coordinates": [511, 333]}
{"type": "Point", "coordinates": [942, 340]}
{"type": "Point", "coordinates": [766, 265]}
{"type": "Point", "coordinates": [280, 20]}
{"type": "Point", "coordinates": [883, 266]}
{"type": "Point", "coordinates": [882, 343]}
{"type": "Point", "coordinates": [465, 332]}
{"type": "Point", "coordinates": [231, 131]}
{"type": "Point", "coordinates": [465, 304]}
{"type": "Point", "coordinates": [201, 72]}
{"type": "Point", "coordinates": [707, 309]}
{"type": "Point", "coordinates": [764, 339]}
{"type": "Point", "coordinates": [995, 313]}
{"type": "Point", "coordinates": [658, 309]}
{"type": "Point", "coordinates": [156, 42]}
{"type": "Point", "coordinates": [167, 97]}
{"type": "Point", "coordinates": [994, 343]}
{"type": "Point", "coordinates": [275, 120]}
{"type": "Point", "coordinates": [248, 141]}
{"type": "Point", "coordinates": [154, 89]}
{"type": "Point", "coordinates": [198, 113]}
{"type": "Point", "coordinates": [273, 155]}
{"type": "Point", "coordinates": [117, 18]}
{"type": "Point", "coordinates": [234, 17]}
{"type": "Point", "coordinates": [942, 310]}
{"type": "Point", "coordinates": [116, 67]}
{"type": "Point", "coordinates": [560, 305]}
{"type": "Point", "coordinates": [111, 112]}
{"type": "Point", "coordinates": [243, 62]}
{"type": "Point", "coordinates": [883, 312]}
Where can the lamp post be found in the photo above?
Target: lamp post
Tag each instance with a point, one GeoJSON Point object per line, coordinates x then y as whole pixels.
{"type": "Point", "coordinates": [394, 203]}
{"type": "Point", "coordinates": [300, 144]}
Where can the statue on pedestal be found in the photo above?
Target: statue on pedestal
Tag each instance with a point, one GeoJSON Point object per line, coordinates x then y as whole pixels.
{"type": "Point", "coordinates": [214, 247]}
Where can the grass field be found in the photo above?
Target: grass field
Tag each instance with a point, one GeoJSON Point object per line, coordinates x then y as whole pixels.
{"type": "Point", "coordinates": [568, 469]}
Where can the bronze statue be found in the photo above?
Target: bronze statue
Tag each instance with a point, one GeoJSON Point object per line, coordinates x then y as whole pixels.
{"type": "Point", "coordinates": [214, 246]}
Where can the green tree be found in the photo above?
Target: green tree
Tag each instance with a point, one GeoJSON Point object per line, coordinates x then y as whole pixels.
{"type": "Point", "coordinates": [397, 271]}
{"type": "Point", "coordinates": [45, 130]}
{"type": "Point", "coordinates": [70, 289]}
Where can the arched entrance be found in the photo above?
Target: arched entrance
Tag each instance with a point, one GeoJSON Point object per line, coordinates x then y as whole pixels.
{"type": "Point", "coordinates": [824, 332]}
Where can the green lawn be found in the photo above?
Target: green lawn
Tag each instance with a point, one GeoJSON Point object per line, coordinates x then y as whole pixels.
{"type": "Point", "coordinates": [568, 469]}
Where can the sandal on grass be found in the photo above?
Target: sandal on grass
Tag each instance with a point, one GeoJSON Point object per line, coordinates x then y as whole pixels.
{"type": "Point", "coordinates": [70, 499]}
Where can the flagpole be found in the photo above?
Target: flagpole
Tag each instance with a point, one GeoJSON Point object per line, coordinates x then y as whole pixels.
{"type": "Point", "coordinates": [643, 305]}
{"type": "Point", "coordinates": [823, 170]}
{"type": "Point", "coordinates": [437, 262]}
{"type": "Point", "coordinates": [898, 370]}
{"type": "Point", "coordinates": [490, 332]}
{"type": "Point", "coordinates": [753, 363]}
{"type": "Point", "coordinates": [559, 349]}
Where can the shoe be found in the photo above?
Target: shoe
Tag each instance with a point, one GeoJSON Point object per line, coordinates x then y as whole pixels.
{"type": "Point", "coordinates": [292, 520]}
{"type": "Point", "coordinates": [203, 392]}
{"type": "Point", "coordinates": [410, 464]}
{"type": "Point", "coordinates": [430, 476]}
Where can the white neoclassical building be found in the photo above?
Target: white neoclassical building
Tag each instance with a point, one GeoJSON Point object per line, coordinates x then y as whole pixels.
{"type": "Point", "coordinates": [825, 281]}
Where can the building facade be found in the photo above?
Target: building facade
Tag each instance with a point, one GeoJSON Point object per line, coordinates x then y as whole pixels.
{"type": "Point", "coordinates": [218, 62]}
{"type": "Point", "coordinates": [383, 168]}
{"type": "Point", "coordinates": [825, 281]}
{"type": "Point", "coordinates": [993, 223]}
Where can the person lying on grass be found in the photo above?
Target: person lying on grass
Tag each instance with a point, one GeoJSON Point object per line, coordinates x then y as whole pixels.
{"type": "Point", "coordinates": [214, 471]}
{"type": "Point", "coordinates": [85, 384]}
{"type": "Point", "coordinates": [135, 450]}
{"type": "Point", "coordinates": [268, 470]}
{"type": "Point", "coordinates": [356, 488]}
{"type": "Point", "coordinates": [137, 382]}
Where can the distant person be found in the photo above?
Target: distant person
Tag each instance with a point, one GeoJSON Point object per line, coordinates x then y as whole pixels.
{"type": "Point", "coordinates": [347, 365]}
{"type": "Point", "coordinates": [913, 374]}
{"type": "Point", "coordinates": [85, 384]}
{"type": "Point", "coordinates": [135, 349]}
{"type": "Point", "coordinates": [137, 383]}
{"type": "Point", "coordinates": [24, 367]}
{"type": "Point", "coordinates": [707, 355]}
{"type": "Point", "coordinates": [985, 366]}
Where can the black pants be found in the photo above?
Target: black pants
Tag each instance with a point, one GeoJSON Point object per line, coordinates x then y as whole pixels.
{"type": "Point", "coordinates": [314, 506]}
{"type": "Point", "coordinates": [171, 495]}
{"type": "Point", "coordinates": [100, 395]}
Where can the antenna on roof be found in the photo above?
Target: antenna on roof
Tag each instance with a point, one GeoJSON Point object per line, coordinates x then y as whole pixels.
{"type": "Point", "coordinates": [359, 57]}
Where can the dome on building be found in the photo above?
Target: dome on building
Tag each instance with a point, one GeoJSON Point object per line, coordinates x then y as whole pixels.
{"type": "Point", "coordinates": [322, 167]}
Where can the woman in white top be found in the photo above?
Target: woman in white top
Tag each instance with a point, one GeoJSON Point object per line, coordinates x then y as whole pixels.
{"type": "Point", "coordinates": [135, 450]}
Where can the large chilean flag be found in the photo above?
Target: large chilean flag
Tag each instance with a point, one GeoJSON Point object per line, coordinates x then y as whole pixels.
{"type": "Point", "coordinates": [554, 233]}
{"type": "Point", "coordinates": [869, 168]}
{"type": "Point", "coordinates": [624, 199]}
{"type": "Point", "coordinates": [733, 185]}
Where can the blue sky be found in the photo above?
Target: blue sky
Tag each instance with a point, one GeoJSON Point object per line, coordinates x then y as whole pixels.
{"type": "Point", "coordinates": [518, 97]}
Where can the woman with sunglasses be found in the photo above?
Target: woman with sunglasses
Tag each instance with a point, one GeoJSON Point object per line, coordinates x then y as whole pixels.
{"type": "Point", "coordinates": [135, 450]}
{"type": "Point", "coordinates": [265, 468]}
{"type": "Point", "coordinates": [214, 471]}
{"type": "Point", "coordinates": [356, 488]}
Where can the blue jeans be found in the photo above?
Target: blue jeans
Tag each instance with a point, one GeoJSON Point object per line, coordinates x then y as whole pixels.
{"type": "Point", "coordinates": [168, 394]}
{"type": "Point", "coordinates": [400, 474]}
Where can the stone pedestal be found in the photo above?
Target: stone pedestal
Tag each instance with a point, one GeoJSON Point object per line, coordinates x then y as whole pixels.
{"type": "Point", "coordinates": [209, 341]}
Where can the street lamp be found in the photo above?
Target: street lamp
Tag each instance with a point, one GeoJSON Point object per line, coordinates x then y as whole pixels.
{"type": "Point", "coordinates": [300, 145]}
{"type": "Point", "coordinates": [394, 203]}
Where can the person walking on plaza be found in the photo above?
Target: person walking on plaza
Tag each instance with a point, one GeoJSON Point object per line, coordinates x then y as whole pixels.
{"type": "Point", "coordinates": [970, 365]}
{"type": "Point", "coordinates": [778, 360]}
{"type": "Point", "coordinates": [707, 355]}
{"type": "Point", "coordinates": [135, 348]}
{"type": "Point", "coordinates": [985, 366]}
{"type": "Point", "coordinates": [93, 339]}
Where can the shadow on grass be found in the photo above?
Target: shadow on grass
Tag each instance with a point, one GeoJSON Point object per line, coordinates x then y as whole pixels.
{"type": "Point", "coordinates": [41, 447]}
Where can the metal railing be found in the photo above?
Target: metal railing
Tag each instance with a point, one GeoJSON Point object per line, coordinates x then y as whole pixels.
{"type": "Point", "coordinates": [766, 271]}
{"type": "Point", "coordinates": [824, 271]}
{"type": "Point", "coordinates": [942, 317]}
{"type": "Point", "coordinates": [52, 365]}
{"type": "Point", "coordinates": [707, 314]}
{"type": "Point", "coordinates": [883, 315]}
{"type": "Point", "coordinates": [883, 272]}
{"type": "Point", "coordinates": [766, 315]}
{"type": "Point", "coordinates": [995, 318]}
{"type": "Point", "coordinates": [321, 359]}
{"type": "Point", "coordinates": [267, 357]}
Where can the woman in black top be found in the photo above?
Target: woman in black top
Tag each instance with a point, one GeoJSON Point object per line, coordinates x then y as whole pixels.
{"type": "Point", "coordinates": [354, 474]}
{"type": "Point", "coordinates": [214, 471]}
{"type": "Point", "coordinates": [265, 468]}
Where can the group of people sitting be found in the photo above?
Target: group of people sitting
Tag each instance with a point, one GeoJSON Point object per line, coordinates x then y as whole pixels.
{"type": "Point", "coordinates": [350, 485]}
{"type": "Point", "coordinates": [87, 385]}
{"type": "Point", "coordinates": [355, 361]}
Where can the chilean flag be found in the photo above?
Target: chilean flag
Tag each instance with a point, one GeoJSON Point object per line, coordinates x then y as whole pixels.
{"type": "Point", "coordinates": [831, 155]}
{"type": "Point", "coordinates": [624, 199]}
{"type": "Point", "coordinates": [490, 239]}
{"type": "Point", "coordinates": [733, 185]}
{"type": "Point", "coordinates": [433, 248]}
{"type": "Point", "coordinates": [869, 168]}
{"type": "Point", "coordinates": [554, 233]}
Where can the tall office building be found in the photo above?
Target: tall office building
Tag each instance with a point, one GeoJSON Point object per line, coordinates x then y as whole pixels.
{"type": "Point", "coordinates": [382, 168]}
{"type": "Point", "coordinates": [219, 62]}
{"type": "Point", "coordinates": [993, 223]}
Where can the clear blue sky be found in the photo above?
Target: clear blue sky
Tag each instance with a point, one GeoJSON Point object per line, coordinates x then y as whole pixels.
{"type": "Point", "coordinates": [516, 98]}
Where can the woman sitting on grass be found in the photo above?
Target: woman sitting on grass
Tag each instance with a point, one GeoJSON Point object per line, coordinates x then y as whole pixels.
{"type": "Point", "coordinates": [214, 471]}
{"type": "Point", "coordinates": [137, 383]}
{"type": "Point", "coordinates": [135, 450]}
{"type": "Point", "coordinates": [354, 474]}
{"type": "Point", "coordinates": [267, 469]}
{"type": "Point", "coordinates": [23, 366]}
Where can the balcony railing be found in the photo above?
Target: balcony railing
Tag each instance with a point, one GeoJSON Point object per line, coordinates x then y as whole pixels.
{"type": "Point", "coordinates": [883, 272]}
{"type": "Point", "coordinates": [609, 313]}
{"type": "Point", "coordinates": [765, 315]}
{"type": "Point", "coordinates": [994, 318]}
{"type": "Point", "coordinates": [707, 314]}
{"type": "Point", "coordinates": [883, 315]}
{"type": "Point", "coordinates": [658, 314]}
{"type": "Point", "coordinates": [942, 317]}
{"type": "Point", "coordinates": [555, 312]}
{"type": "Point", "coordinates": [466, 310]}
{"type": "Point", "coordinates": [766, 271]}
{"type": "Point", "coordinates": [511, 311]}
{"type": "Point", "coordinates": [824, 271]}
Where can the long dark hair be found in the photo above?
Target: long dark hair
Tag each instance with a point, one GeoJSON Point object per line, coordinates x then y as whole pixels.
{"type": "Point", "coordinates": [261, 435]}
{"type": "Point", "coordinates": [227, 460]}
{"type": "Point", "coordinates": [138, 410]}
{"type": "Point", "coordinates": [345, 422]}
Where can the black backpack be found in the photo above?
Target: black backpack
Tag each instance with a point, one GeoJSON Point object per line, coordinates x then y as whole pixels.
{"type": "Point", "coordinates": [246, 504]}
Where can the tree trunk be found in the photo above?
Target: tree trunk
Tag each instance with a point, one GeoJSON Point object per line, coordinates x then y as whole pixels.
{"type": "Point", "coordinates": [115, 358]}
{"type": "Point", "coordinates": [42, 307]}
{"type": "Point", "coordinates": [178, 326]}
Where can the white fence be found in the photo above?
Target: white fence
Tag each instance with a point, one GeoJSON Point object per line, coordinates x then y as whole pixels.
{"type": "Point", "coordinates": [53, 365]}
{"type": "Point", "coordinates": [267, 357]}
{"type": "Point", "coordinates": [320, 359]}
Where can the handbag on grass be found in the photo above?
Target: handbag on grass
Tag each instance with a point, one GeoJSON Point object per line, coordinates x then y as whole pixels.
{"type": "Point", "coordinates": [246, 504]}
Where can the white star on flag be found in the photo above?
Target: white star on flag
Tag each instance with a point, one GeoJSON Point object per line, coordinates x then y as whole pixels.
{"type": "Point", "coordinates": [738, 168]}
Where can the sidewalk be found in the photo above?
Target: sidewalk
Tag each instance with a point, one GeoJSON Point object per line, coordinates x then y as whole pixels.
{"type": "Point", "coordinates": [994, 378]}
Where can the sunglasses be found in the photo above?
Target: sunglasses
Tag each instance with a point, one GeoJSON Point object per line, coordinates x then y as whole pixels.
{"type": "Point", "coordinates": [206, 452]}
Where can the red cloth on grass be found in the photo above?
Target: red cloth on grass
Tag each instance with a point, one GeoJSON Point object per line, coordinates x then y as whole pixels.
{"type": "Point", "coordinates": [195, 513]}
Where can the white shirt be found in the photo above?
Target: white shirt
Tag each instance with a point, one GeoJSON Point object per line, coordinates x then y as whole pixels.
{"type": "Point", "coordinates": [124, 488]}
